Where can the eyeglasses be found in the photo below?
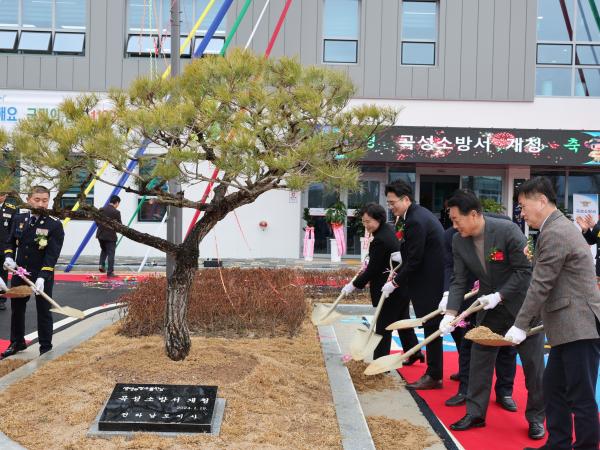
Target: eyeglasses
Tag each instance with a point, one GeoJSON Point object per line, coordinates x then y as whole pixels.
{"type": "Point", "coordinates": [393, 202]}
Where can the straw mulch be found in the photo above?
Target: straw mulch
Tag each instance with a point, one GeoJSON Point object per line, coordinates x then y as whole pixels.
{"type": "Point", "coordinates": [8, 365]}
{"type": "Point", "coordinates": [364, 383]}
{"type": "Point", "coordinates": [392, 434]}
{"type": "Point", "coordinates": [277, 393]}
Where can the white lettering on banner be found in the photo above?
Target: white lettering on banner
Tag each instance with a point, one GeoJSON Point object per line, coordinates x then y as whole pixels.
{"type": "Point", "coordinates": [533, 145]}
{"type": "Point", "coordinates": [426, 144]}
{"type": "Point", "coordinates": [405, 142]}
{"type": "Point", "coordinates": [516, 144]}
{"type": "Point", "coordinates": [463, 143]}
{"type": "Point", "coordinates": [483, 144]}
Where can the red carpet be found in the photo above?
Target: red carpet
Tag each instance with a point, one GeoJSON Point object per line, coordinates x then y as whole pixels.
{"type": "Point", "coordinates": [504, 430]}
{"type": "Point", "coordinates": [87, 277]}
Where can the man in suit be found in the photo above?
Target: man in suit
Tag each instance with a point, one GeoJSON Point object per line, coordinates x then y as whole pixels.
{"type": "Point", "coordinates": [492, 250]}
{"type": "Point", "coordinates": [8, 211]}
{"type": "Point", "coordinates": [36, 239]}
{"type": "Point", "coordinates": [563, 291]}
{"type": "Point", "coordinates": [383, 246]}
{"type": "Point", "coordinates": [591, 232]}
{"type": "Point", "coordinates": [421, 277]}
{"type": "Point", "coordinates": [107, 237]}
{"type": "Point", "coordinates": [506, 361]}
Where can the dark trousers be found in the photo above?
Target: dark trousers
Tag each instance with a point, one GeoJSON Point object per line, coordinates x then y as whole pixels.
{"type": "Point", "coordinates": [506, 364]}
{"type": "Point", "coordinates": [570, 390]}
{"type": "Point", "coordinates": [18, 307]}
{"type": "Point", "coordinates": [483, 360]}
{"type": "Point", "coordinates": [435, 353]}
{"type": "Point", "coordinates": [4, 275]}
{"type": "Point", "coordinates": [392, 310]}
{"type": "Point", "coordinates": [107, 252]}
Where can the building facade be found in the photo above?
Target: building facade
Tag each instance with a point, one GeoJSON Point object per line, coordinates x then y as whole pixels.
{"type": "Point", "coordinates": [493, 92]}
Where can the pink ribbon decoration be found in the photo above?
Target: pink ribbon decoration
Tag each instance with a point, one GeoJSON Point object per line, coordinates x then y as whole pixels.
{"type": "Point", "coordinates": [309, 242]}
{"type": "Point", "coordinates": [340, 239]}
{"type": "Point", "coordinates": [475, 286]}
{"type": "Point", "coordinates": [21, 272]}
{"type": "Point", "coordinates": [462, 324]}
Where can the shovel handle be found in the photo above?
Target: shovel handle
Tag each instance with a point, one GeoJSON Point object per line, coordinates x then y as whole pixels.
{"type": "Point", "coordinates": [337, 300]}
{"type": "Point", "coordinates": [535, 330]}
{"type": "Point", "coordinates": [382, 298]}
{"type": "Point", "coordinates": [32, 285]}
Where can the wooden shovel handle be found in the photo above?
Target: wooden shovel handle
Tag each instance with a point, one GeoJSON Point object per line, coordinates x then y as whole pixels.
{"type": "Point", "coordinates": [32, 285]}
{"type": "Point", "coordinates": [535, 330]}
{"type": "Point", "coordinates": [382, 298]}
{"type": "Point", "coordinates": [337, 300]}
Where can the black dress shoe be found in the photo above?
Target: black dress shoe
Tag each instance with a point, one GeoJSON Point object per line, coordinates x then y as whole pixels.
{"type": "Point", "coordinates": [454, 377]}
{"type": "Point", "coordinates": [507, 403]}
{"type": "Point", "coordinates": [414, 358]}
{"type": "Point", "coordinates": [101, 269]}
{"type": "Point", "coordinates": [425, 382]}
{"type": "Point", "coordinates": [457, 400]}
{"type": "Point", "coordinates": [44, 350]}
{"type": "Point", "coordinates": [13, 348]}
{"type": "Point", "coordinates": [536, 430]}
{"type": "Point", "coordinates": [468, 422]}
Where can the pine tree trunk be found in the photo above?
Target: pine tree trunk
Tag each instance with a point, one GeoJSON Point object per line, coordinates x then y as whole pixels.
{"type": "Point", "coordinates": [177, 335]}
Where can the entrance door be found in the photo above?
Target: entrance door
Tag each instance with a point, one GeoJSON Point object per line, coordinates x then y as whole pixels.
{"type": "Point", "coordinates": [434, 189]}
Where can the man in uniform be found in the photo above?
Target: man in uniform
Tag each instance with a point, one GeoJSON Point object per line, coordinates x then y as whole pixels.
{"type": "Point", "coordinates": [37, 240]}
{"type": "Point", "coordinates": [7, 212]}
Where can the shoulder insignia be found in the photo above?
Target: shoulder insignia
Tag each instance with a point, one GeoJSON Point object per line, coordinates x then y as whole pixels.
{"type": "Point", "coordinates": [8, 205]}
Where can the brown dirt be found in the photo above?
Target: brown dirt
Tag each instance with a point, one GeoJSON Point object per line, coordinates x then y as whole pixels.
{"type": "Point", "coordinates": [482, 333]}
{"type": "Point", "coordinates": [398, 434]}
{"type": "Point", "coordinates": [277, 393]}
{"type": "Point", "coordinates": [8, 365]}
{"type": "Point", "coordinates": [363, 383]}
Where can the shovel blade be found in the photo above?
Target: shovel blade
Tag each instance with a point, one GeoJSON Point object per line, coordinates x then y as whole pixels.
{"type": "Point", "coordinates": [322, 315]}
{"type": "Point", "coordinates": [363, 344]}
{"type": "Point", "coordinates": [385, 364]}
{"type": "Point", "coordinates": [404, 324]}
{"type": "Point", "coordinates": [69, 311]}
{"type": "Point", "coordinates": [331, 318]}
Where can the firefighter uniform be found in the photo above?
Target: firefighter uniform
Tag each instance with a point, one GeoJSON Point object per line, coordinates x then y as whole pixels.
{"type": "Point", "coordinates": [7, 212]}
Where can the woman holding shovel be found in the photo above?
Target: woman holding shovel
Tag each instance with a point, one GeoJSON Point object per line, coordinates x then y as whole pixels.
{"type": "Point", "coordinates": [384, 245]}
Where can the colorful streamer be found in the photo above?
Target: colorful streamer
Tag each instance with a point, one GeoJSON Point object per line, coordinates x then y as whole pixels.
{"type": "Point", "coordinates": [309, 243]}
{"type": "Point", "coordinates": [340, 240]}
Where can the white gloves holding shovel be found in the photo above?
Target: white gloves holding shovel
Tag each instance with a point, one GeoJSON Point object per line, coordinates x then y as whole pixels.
{"type": "Point", "coordinates": [348, 289]}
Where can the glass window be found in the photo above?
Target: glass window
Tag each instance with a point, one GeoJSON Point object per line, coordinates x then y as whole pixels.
{"type": "Point", "coordinates": [165, 48]}
{"type": "Point", "coordinates": [8, 40]}
{"type": "Point", "coordinates": [70, 14]}
{"type": "Point", "coordinates": [588, 21]}
{"type": "Point", "coordinates": [588, 55]}
{"type": "Point", "coordinates": [369, 192]}
{"type": "Point", "coordinates": [9, 13]}
{"type": "Point", "coordinates": [582, 183]}
{"type": "Point", "coordinates": [553, 81]}
{"type": "Point", "coordinates": [399, 174]}
{"type": "Point", "coordinates": [72, 43]}
{"type": "Point", "coordinates": [35, 41]}
{"type": "Point", "coordinates": [587, 82]}
{"type": "Point", "coordinates": [210, 16]}
{"type": "Point", "coordinates": [142, 45]}
{"type": "Point", "coordinates": [214, 45]}
{"type": "Point", "coordinates": [321, 196]}
{"type": "Point", "coordinates": [554, 54]}
{"type": "Point", "coordinates": [68, 202]}
{"type": "Point", "coordinates": [341, 19]}
{"type": "Point", "coordinates": [418, 53]}
{"type": "Point", "coordinates": [37, 13]}
{"type": "Point", "coordinates": [419, 20]}
{"type": "Point", "coordinates": [338, 51]}
{"type": "Point", "coordinates": [558, 183]}
{"type": "Point", "coordinates": [555, 20]}
{"type": "Point", "coordinates": [489, 187]}
{"type": "Point", "coordinates": [151, 211]}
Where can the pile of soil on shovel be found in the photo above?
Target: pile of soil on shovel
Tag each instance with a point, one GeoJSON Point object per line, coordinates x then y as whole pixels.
{"type": "Point", "coordinates": [363, 383]}
{"type": "Point", "coordinates": [392, 434]}
{"type": "Point", "coordinates": [8, 365]}
{"type": "Point", "coordinates": [483, 333]}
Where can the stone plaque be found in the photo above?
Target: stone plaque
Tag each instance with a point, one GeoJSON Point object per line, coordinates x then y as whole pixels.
{"type": "Point", "coordinates": [159, 408]}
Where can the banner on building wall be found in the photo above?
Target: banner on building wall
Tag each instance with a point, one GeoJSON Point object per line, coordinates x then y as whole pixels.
{"type": "Point", "coordinates": [485, 146]}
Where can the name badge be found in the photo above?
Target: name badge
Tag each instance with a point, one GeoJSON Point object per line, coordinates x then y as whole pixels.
{"type": "Point", "coordinates": [8, 216]}
{"type": "Point", "coordinates": [41, 231]}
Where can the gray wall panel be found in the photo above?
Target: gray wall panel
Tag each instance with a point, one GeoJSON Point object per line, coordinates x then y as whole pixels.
{"type": "Point", "coordinates": [312, 41]}
{"type": "Point", "coordinates": [97, 44]}
{"type": "Point", "coordinates": [485, 49]}
{"type": "Point", "coordinates": [371, 55]}
{"type": "Point", "coordinates": [31, 72]}
{"type": "Point", "coordinates": [115, 44]}
{"type": "Point", "coordinates": [404, 82]}
{"type": "Point", "coordinates": [420, 82]}
{"type": "Point", "coordinates": [81, 74]}
{"type": "Point", "coordinates": [291, 30]}
{"type": "Point", "coordinates": [502, 26]}
{"type": "Point", "coordinates": [275, 10]}
{"type": "Point", "coordinates": [48, 73]}
{"type": "Point", "coordinates": [389, 49]}
{"type": "Point", "coordinates": [530, 51]}
{"type": "Point", "coordinates": [468, 54]}
{"type": "Point", "coordinates": [130, 70]}
{"type": "Point", "coordinates": [452, 51]}
{"type": "Point", "coordinates": [14, 79]}
{"type": "Point", "coordinates": [64, 73]}
{"type": "Point", "coordinates": [516, 62]}
{"type": "Point", "coordinates": [3, 70]}
{"type": "Point", "coordinates": [261, 37]}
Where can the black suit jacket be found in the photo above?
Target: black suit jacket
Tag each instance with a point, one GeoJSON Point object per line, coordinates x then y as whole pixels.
{"type": "Point", "coordinates": [421, 277]}
{"type": "Point", "coordinates": [104, 233]}
{"type": "Point", "coordinates": [592, 236]}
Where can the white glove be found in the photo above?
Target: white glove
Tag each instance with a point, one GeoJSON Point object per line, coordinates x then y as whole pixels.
{"type": "Point", "coordinates": [445, 326]}
{"type": "Point", "coordinates": [3, 286]}
{"type": "Point", "coordinates": [388, 288]}
{"type": "Point", "coordinates": [444, 302]}
{"type": "Point", "coordinates": [39, 286]}
{"type": "Point", "coordinates": [9, 263]}
{"type": "Point", "coordinates": [348, 289]}
{"type": "Point", "coordinates": [490, 301]}
{"type": "Point", "coordinates": [515, 335]}
{"type": "Point", "coordinates": [396, 257]}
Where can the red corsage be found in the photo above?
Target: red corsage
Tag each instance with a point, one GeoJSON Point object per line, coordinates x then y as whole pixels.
{"type": "Point", "coordinates": [496, 255]}
{"type": "Point", "coordinates": [399, 229]}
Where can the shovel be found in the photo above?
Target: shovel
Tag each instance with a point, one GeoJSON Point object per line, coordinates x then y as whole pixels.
{"type": "Point", "coordinates": [64, 310]}
{"type": "Point", "coordinates": [324, 315]}
{"type": "Point", "coordinates": [393, 362]}
{"type": "Point", "coordinates": [16, 292]}
{"type": "Point", "coordinates": [501, 342]}
{"type": "Point", "coordinates": [412, 323]}
{"type": "Point", "coordinates": [364, 343]}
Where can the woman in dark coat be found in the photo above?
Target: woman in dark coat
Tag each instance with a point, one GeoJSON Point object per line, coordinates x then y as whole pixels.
{"type": "Point", "coordinates": [384, 244]}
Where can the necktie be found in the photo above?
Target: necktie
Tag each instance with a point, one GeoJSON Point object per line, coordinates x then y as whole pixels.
{"type": "Point", "coordinates": [33, 221]}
